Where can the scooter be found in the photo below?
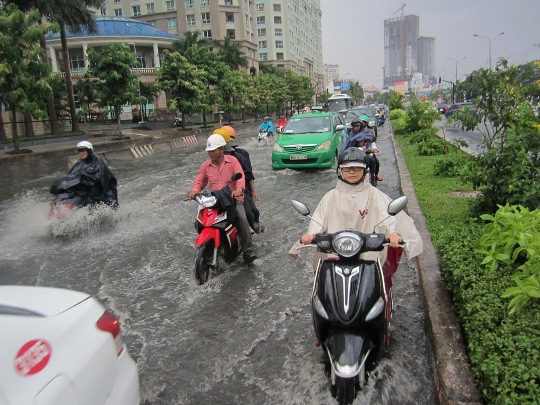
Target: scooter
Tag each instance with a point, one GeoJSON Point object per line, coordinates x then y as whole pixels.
{"type": "Point", "coordinates": [177, 122]}
{"type": "Point", "coordinates": [351, 303]}
{"type": "Point", "coordinates": [68, 198]}
{"type": "Point", "coordinates": [218, 236]}
{"type": "Point", "coordinates": [263, 138]}
{"type": "Point", "coordinates": [379, 119]}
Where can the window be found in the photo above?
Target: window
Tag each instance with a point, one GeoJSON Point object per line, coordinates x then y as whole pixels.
{"type": "Point", "coordinates": [151, 22]}
{"type": "Point", "coordinates": [279, 56]}
{"type": "Point", "coordinates": [76, 62]}
{"type": "Point", "coordinates": [118, 12]}
{"type": "Point", "coordinates": [169, 5]}
{"type": "Point", "coordinates": [228, 2]}
{"type": "Point", "coordinates": [190, 20]}
{"type": "Point", "coordinates": [205, 3]}
{"type": "Point", "coordinates": [263, 56]}
{"type": "Point", "coordinates": [277, 20]}
{"type": "Point", "coordinates": [261, 32]}
{"type": "Point", "coordinates": [277, 8]}
{"type": "Point", "coordinates": [205, 18]}
{"type": "Point", "coordinates": [229, 17]}
{"type": "Point", "coordinates": [231, 34]}
{"type": "Point", "coordinates": [103, 11]}
{"type": "Point", "coordinates": [171, 23]}
{"type": "Point", "coordinates": [141, 60]}
{"type": "Point", "coordinates": [136, 10]}
{"type": "Point", "coordinates": [188, 3]}
{"type": "Point", "coordinates": [150, 8]}
{"type": "Point", "coordinates": [262, 44]}
{"type": "Point", "coordinates": [261, 20]}
{"type": "Point", "coordinates": [207, 34]}
{"type": "Point", "coordinates": [279, 32]}
{"type": "Point", "coordinates": [260, 7]}
{"type": "Point", "coordinates": [116, 1]}
{"type": "Point", "coordinates": [279, 44]}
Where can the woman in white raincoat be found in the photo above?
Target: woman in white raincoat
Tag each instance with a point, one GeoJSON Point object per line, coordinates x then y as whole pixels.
{"type": "Point", "coordinates": [355, 204]}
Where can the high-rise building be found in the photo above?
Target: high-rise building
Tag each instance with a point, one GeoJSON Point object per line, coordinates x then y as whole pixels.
{"type": "Point", "coordinates": [331, 73]}
{"type": "Point", "coordinates": [400, 48]}
{"type": "Point", "coordinates": [426, 57]}
{"type": "Point", "coordinates": [284, 33]}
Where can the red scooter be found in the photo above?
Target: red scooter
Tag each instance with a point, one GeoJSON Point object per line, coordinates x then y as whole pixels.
{"type": "Point", "coordinates": [218, 236]}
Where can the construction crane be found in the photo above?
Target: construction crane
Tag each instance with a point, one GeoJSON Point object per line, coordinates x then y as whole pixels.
{"type": "Point", "coordinates": [401, 8]}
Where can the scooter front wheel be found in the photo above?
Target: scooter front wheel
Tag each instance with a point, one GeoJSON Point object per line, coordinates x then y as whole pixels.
{"type": "Point", "coordinates": [345, 390]}
{"type": "Point", "coordinates": [203, 268]}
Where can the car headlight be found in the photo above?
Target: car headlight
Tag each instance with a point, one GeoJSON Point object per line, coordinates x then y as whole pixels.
{"type": "Point", "coordinates": [277, 148]}
{"type": "Point", "coordinates": [347, 244]}
{"type": "Point", "coordinates": [206, 201]}
{"type": "Point", "coordinates": [326, 145]}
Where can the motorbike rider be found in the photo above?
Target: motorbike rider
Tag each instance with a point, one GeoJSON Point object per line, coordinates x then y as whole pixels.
{"type": "Point", "coordinates": [267, 126]}
{"type": "Point", "coordinates": [252, 212]}
{"type": "Point", "coordinates": [355, 204]}
{"type": "Point", "coordinates": [362, 136]}
{"type": "Point", "coordinates": [217, 172]}
{"type": "Point", "coordinates": [97, 184]}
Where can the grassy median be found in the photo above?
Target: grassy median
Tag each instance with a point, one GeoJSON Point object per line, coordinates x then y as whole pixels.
{"type": "Point", "coordinates": [503, 348]}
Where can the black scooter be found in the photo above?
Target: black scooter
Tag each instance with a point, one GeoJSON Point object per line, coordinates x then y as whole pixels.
{"type": "Point", "coordinates": [352, 303]}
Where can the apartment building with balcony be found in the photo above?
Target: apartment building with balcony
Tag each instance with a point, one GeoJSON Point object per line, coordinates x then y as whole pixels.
{"type": "Point", "coordinates": [285, 33]}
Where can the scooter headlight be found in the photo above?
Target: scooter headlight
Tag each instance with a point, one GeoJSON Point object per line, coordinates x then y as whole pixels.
{"type": "Point", "coordinates": [347, 244]}
{"type": "Point", "coordinates": [206, 201]}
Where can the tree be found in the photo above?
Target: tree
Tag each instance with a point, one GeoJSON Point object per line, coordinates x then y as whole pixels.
{"type": "Point", "coordinates": [183, 81]}
{"type": "Point", "coordinates": [23, 76]}
{"type": "Point", "coordinates": [231, 53]}
{"type": "Point", "coordinates": [118, 84]}
{"type": "Point", "coordinates": [76, 16]}
{"type": "Point", "coordinates": [508, 171]}
{"type": "Point", "coordinates": [228, 88]}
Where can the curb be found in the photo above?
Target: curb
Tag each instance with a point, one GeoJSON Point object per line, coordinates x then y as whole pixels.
{"type": "Point", "coordinates": [454, 379]}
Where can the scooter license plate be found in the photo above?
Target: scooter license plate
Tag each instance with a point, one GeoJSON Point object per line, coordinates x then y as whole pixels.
{"type": "Point", "coordinates": [298, 157]}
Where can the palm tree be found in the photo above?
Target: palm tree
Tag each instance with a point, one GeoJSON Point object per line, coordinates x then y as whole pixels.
{"type": "Point", "coordinates": [231, 53]}
{"type": "Point", "coordinates": [76, 16]}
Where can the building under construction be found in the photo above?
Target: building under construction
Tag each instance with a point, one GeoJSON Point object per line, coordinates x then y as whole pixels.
{"type": "Point", "coordinates": [405, 52]}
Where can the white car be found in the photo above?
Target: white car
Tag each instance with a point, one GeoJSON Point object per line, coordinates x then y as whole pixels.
{"type": "Point", "coordinates": [62, 347]}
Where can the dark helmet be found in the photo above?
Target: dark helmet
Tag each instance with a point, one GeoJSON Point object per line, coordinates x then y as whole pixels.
{"type": "Point", "coordinates": [353, 155]}
{"type": "Point", "coordinates": [357, 121]}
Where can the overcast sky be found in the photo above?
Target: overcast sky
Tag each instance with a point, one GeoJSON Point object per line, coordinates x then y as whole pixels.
{"type": "Point", "coordinates": [353, 33]}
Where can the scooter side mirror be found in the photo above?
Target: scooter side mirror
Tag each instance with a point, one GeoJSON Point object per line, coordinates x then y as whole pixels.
{"type": "Point", "coordinates": [300, 207]}
{"type": "Point", "coordinates": [397, 205]}
{"type": "Point", "coordinates": [236, 176]}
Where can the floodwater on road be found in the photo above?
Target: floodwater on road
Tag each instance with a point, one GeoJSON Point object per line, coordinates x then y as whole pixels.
{"type": "Point", "coordinates": [244, 337]}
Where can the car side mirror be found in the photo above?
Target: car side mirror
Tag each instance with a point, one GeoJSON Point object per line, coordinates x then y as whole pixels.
{"type": "Point", "coordinates": [340, 127]}
{"type": "Point", "coordinates": [300, 207]}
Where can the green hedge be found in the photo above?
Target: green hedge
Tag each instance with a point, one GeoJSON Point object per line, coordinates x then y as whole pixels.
{"type": "Point", "coordinates": [504, 349]}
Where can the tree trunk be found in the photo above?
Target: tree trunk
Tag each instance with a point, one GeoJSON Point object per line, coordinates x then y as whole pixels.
{"type": "Point", "coordinates": [3, 136]}
{"type": "Point", "coordinates": [14, 134]}
{"type": "Point", "coordinates": [51, 108]}
{"type": "Point", "coordinates": [28, 125]}
{"type": "Point", "coordinates": [119, 123]}
{"type": "Point", "coordinates": [183, 120]}
{"type": "Point", "coordinates": [69, 83]}
{"type": "Point", "coordinates": [204, 118]}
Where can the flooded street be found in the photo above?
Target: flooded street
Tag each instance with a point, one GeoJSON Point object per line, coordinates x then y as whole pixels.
{"type": "Point", "coordinates": [245, 337]}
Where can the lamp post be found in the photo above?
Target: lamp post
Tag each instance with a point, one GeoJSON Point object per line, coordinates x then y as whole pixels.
{"type": "Point", "coordinates": [489, 40]}
{"type": "Point", "coordinates": [138, 84]}
{"type": "Point", "coordinates": [457, 61]}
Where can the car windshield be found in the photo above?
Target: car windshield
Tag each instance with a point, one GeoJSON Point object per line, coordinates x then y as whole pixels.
{"type": "Point", "coordinates": [307, 125]}
{"type": "Point", "coordinates": [362, 111]}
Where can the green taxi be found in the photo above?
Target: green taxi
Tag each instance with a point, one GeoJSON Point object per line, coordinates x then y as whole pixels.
{"type": "Point", "coordinates": [309, 140]}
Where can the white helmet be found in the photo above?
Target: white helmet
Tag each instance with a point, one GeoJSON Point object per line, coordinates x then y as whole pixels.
{"type": "Point", "coordinates": [215, 141]}
{"type": "Point", "coordinates": [85, 145]}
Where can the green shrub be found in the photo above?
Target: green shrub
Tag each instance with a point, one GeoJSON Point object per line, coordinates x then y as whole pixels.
{"type": "Point", "coordinates": [397, 114]}
{"type": "Point", "coordinates": [432, 147]}
{"type": "Point", "coordinates": [447, 167]}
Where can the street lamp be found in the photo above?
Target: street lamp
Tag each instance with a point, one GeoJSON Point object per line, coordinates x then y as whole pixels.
{"type": "Point", "coordinates": [457, 61]}
{"type": "Point", "coordinates": [489, 39]}
{"type": "Point", "coordinates": [138, 84]}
